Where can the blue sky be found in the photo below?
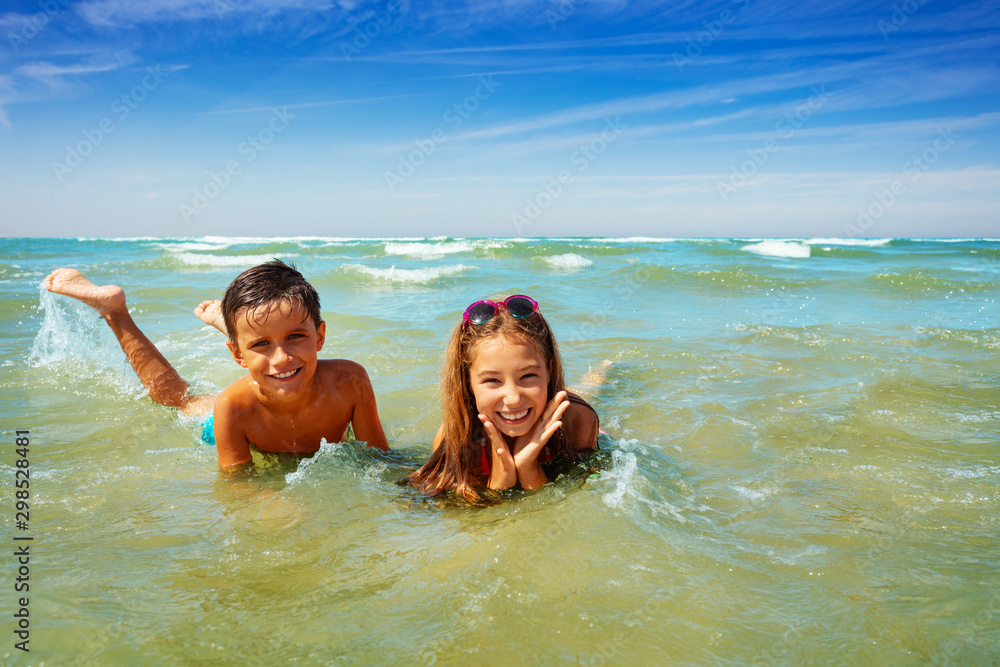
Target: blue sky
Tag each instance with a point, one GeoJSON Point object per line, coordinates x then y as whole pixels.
{"type": "Point", "coordinates": [743, 118]}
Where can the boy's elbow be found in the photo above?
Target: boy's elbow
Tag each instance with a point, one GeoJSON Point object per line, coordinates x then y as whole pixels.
{"type": "Point", "coordinates": [234, 464]}
{"type": "Point", "coordinates": [376, 436]}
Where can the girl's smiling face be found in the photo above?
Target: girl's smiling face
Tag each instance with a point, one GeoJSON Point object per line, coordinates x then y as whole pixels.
{"type": "Point", "coordinates": [510, 381]}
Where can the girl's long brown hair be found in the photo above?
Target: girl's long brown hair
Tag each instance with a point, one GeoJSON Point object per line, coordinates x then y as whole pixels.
{"type": "Point", "coordinates": [455, 463]}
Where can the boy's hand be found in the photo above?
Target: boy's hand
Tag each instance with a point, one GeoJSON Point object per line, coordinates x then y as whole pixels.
{"type": "Point", "coordinates": [503, 472]}
{"type": "Point", "coordinates": [528, 446]}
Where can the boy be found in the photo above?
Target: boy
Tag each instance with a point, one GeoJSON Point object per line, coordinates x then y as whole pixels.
{"type": "Point", "coordinates": [288, 400]}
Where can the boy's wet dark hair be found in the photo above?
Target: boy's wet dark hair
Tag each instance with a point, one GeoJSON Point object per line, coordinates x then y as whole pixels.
{"type": "Point", "coordinates": [263, 285]}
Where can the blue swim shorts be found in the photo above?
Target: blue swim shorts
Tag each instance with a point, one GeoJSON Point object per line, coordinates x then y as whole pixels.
{"type": "Point", "coordinates": [208, 429]}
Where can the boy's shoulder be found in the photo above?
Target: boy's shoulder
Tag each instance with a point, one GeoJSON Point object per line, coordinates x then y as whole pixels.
{"type": "Point", "coordinates": [237, 396]}
{"type": "Point", "coordinates": [340, 370]}
{"type": "Point", "coordinates": [343, 379]}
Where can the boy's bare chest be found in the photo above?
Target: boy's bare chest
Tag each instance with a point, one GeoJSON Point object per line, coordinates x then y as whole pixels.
{"type": "Point", "coordinates": [298, 432]}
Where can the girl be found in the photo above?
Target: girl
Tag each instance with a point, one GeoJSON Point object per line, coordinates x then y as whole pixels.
{"type": "Point", "coordinates": [505, 410]}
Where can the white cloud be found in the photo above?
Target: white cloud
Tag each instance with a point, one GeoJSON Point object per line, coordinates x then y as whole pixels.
{"type": "Point", "coordinates": [45, 70]}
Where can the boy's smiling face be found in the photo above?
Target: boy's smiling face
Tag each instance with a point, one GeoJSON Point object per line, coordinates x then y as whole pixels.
{"type": "Point", "coordinates": [277, 345]}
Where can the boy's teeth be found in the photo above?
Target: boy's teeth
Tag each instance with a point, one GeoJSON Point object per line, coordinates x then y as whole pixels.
{"type": "Point", "coordinates": [513, 415]}
{"type": "Point", "coordinates": [286, 374]}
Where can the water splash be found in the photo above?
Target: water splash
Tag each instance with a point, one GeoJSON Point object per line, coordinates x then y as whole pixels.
{"type": "Point", "coordinates": [623, 473]}
{"type": "Point", "coordinates": [326, 450]}
{"type": "Point", "coordinates": [75, 340]}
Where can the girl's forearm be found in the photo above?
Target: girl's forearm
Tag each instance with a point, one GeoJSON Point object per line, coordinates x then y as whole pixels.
{"type": "Point", "coordinates": [503, 474]}
{"type": "Point", "coordinates": [531, 475]}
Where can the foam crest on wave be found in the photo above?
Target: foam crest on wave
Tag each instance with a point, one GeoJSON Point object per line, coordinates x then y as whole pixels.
{"type": "Point", "coordinates": [568, 261]}
{"type": "Point", "coordinates": [248, 261]}
{"type": "Point", "coordinates": [773, 248]}
{"type": "Point", "coordinates": [427, 250]}
{"type": "Point", "coordinates": [189, 246]}
{"type": "Point", "coordinates": [869, 243]}
{"type": "Point", "coordinates": [410, 276]}
{"type": "Point", "coordinates": [263, 240]}
{"type": "Point", "coordinates": [640, 239]}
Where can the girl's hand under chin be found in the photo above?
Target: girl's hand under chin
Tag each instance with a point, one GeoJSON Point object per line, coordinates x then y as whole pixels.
{"type": "Point", "coordinates": [503, 473]}
{"type": "Point", "coordinates": [523, 466]}
{"type": "Point", "coordinates": [528, 446]}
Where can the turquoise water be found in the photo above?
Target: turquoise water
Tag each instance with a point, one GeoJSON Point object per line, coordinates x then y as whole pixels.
{"type": "Point", "coordinates": [801, 464]}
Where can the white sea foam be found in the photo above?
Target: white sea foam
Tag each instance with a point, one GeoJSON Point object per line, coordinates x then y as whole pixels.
{"type": "Point", "coordinates": [192, 259]}
{"type": "Point", "coordinates": [776, 248]}
{"type": "Point", "coordinates": [639, 239]}
{"type": "Point", "coordinates": [260, 240]}
{"type": "Point", "coordinates": [428, 250]}
{"type": "Point", "coordinates": [189, 246]}
{"type": "Point", "coordinates": [257, 240]}
{"type": "Point", "coordinates": [568, 261]}
{"type": "Point", "coordinates": [975, 473]}
{"type": "Point", "coordinates": [435, 248]}
{"type": "Point", "coordinates": [415, 276]}
{"type": "Point", "coordinates": [755, 494]}
{"type": "Point", "coordinates": [857, 242]}
{"type": "Point", "coordinates": [955, 240]}
{"type": "Point", "coordinates": [118, 239]}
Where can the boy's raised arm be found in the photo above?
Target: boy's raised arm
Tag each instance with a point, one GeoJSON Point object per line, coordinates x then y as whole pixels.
{"type": "Point", "coordinates": [230, 439]}
{"type": "Point", "coordinates": [365, 421]}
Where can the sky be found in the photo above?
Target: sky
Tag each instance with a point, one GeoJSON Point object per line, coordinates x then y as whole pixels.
{"type": "Point", "coordinates": [732, 118]}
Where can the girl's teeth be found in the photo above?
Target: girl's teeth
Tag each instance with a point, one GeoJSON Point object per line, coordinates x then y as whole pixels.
{"type": "Point", "coordinates": [513, 415]}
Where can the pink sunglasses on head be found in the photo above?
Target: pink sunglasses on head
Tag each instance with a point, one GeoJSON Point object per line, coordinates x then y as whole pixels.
{"type": "Point", "coordinates": [517, 305]}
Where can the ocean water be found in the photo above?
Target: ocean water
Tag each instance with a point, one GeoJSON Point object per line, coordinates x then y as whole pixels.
{"type": "Point", "coordinates": [802, 462]}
